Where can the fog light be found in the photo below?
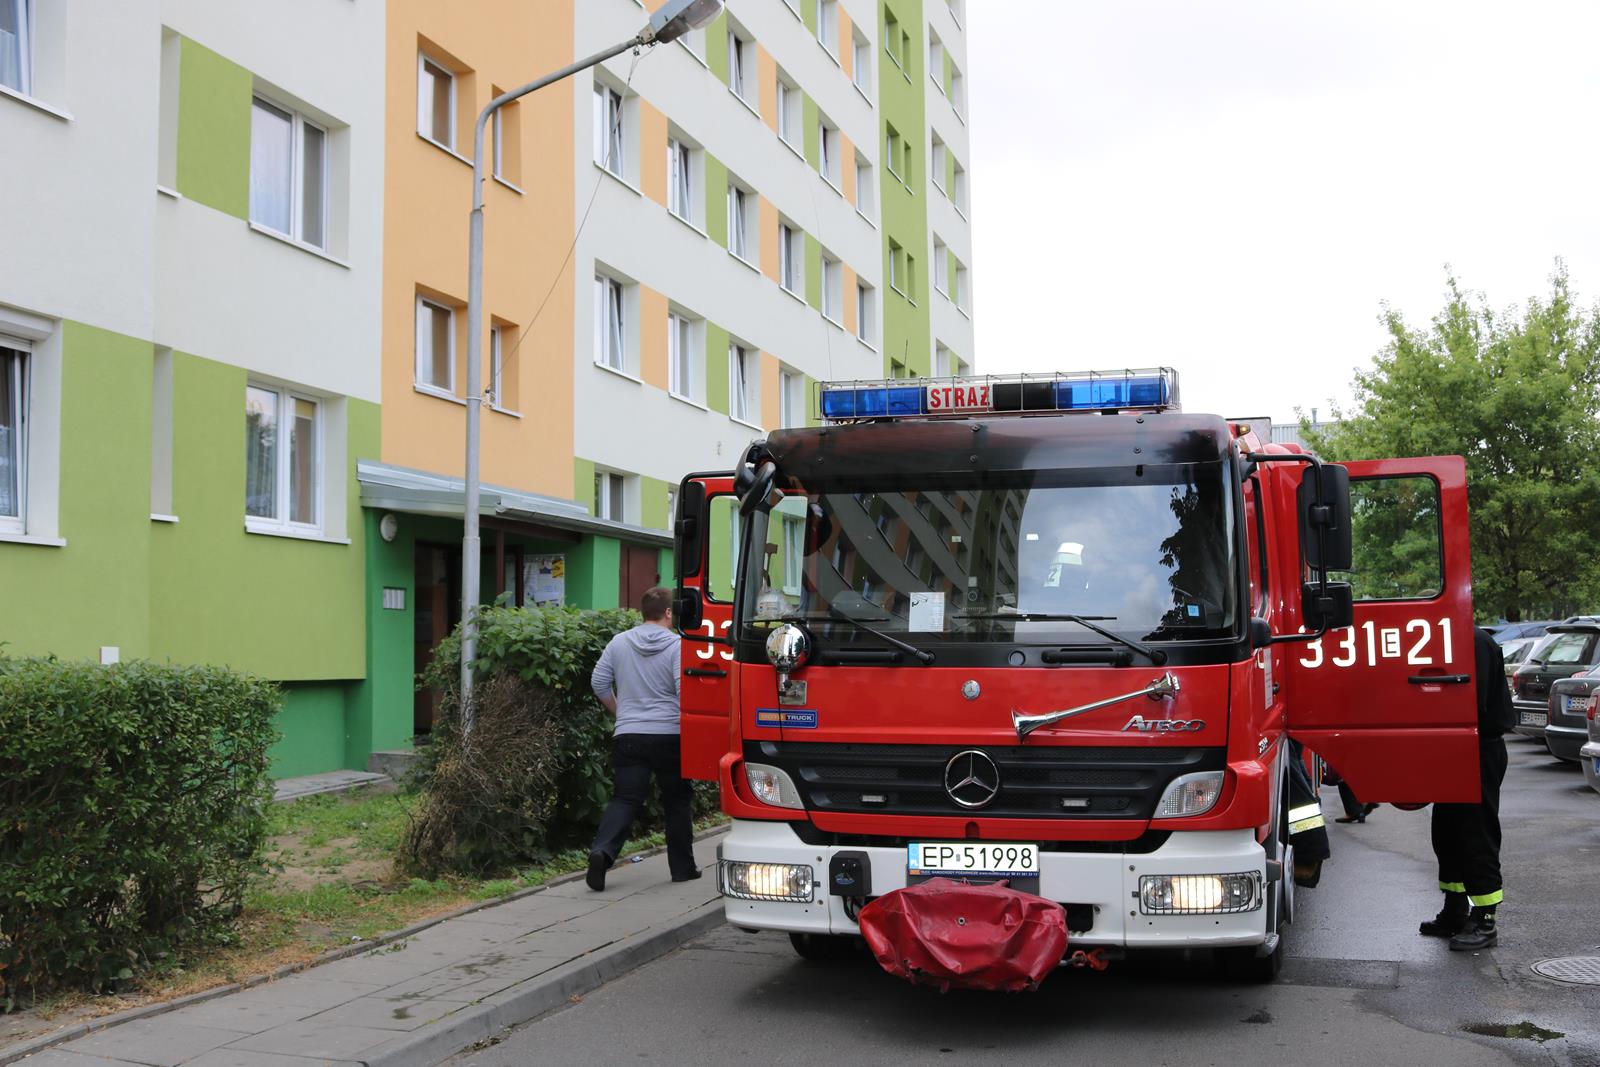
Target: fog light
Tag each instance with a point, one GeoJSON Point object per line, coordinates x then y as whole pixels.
{"type": "Point", "coordinates": [1190, 794]}
{"type": "Point", "coordinates": [772, 785]}
{"type": "Point", "coordinates": [765, 881]}
{"type": "Point", "coordinates": [1199, 894]}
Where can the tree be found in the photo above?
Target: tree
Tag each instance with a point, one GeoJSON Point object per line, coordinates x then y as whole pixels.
{"type": "Point", "coordinates": [1518, 394]}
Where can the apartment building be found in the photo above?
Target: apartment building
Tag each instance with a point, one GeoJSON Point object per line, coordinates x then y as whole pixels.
{"type": "Point", "coordinates": [232, 206]}
{"type": "Point", "coordinates": [188, 365]}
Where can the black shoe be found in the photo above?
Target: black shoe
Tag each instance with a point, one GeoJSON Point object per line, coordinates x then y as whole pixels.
{"type": "Point", "coordinates": [1368, 809]}
{"type": "Point", "coordinates": [691, 876]}
{"type": "Point", "coordinates": [599, 863]}
{"type": "Point", "coordinates": [1476, 934]}
{"type": "Point", "coordinates": [1351, 818]}
{"type": "Point", "coordinates": [1445, 924]}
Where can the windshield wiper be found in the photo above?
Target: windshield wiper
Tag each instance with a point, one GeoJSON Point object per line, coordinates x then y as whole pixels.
{"type": "Point", "coordinates": [922, 654]}
{"type": "Point", "coordinates": [1154, 655]}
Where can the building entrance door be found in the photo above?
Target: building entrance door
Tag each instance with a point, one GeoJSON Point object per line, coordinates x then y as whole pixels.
{"type": "Point", "coordinates": [641, 569]}
{"type": "Point", "coordinates": [438, 609]}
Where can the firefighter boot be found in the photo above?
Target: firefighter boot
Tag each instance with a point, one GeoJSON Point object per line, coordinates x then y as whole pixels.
{"type": "Point", "coordinates": [1451, 918]}
{"type": "Point", "coordinates": [1479, 933]}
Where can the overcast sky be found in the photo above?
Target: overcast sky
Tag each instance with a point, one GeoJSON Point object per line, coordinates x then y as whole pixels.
{"type": "Point", "coordinates": [1235, 187]}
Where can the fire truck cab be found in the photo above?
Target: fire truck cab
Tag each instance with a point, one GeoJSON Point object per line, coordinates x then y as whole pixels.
{"type": "Point", "coordinates": [1053, 630]}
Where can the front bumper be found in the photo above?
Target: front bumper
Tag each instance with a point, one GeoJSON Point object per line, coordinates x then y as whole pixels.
{"type": "Point", "coordinates": [1109, 882]}
{"type": "Point", "coordinates": [1566, 741]}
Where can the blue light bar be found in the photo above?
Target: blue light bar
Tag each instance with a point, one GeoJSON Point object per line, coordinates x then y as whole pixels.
{"type": "Point", "coordinates": [1148, 389]}
{"type": "Point", "coordinates": [1098, 394]}
{"type": "Point", "coordinates": [872, 402]}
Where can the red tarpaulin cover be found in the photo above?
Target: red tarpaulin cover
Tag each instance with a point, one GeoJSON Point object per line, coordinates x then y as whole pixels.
{"type": "Point", "coordinates": [947, 933]}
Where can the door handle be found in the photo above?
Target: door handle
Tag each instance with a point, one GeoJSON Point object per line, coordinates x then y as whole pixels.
{"type": "Point", "coordinates": [704, 672]}
{"type": "Point", "coordinates": [1439, 679]}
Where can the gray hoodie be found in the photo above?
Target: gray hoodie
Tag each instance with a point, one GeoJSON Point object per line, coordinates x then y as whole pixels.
{"type": "Point", "coordinates": [641, 666]}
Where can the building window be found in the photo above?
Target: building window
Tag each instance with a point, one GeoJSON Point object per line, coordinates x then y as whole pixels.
{"type": "Point", "coordinates": [506, 152]}
{"type": "Point", "coordinates": [436, 103]}
{"type": "Point", "coordinates": [790, 270]}
{"type": "Point", "coordinates": [793, 553]}
{"type": "Point", "coordinates": [680, 357]}
{"type": "Point", "coordinates": [13, 437]}
{"type": "Point", "coordinates": [679, 194]}
{"type": "Point", "coordinates": [788, 405]}
{"type": "Point", "coordinates": [910, 279]}
{"type": "Point", "coordinates": [937, 164]}
{"type": "Point", "coordinates": [897, 369]}
{"type": "Point", "coordinates": [958, 91]}
{"type": "Point", "coordinates": [861, 66]}
{"type": "Point", "coordinates": [16, 46]}
{"type": "Point", "coordinates": [958, 189]}
{"type": "Point", "coordinates": [941, 362]}
{"type": "Point", "coordinates": [497, 358]}
{"type": "Point", "coordinates": [788, 112]}
{"type": "Point", "coordinates": [739, 221]}
{"type": "Point", "coordinates": [832, 288]}
{"type": "Point", "coordinates": [828, 24]}
{"type": "Point", "coordinates": [436, 346]}
{"type": "Point", "coordinates": [609, 493]}
{"type": "Point", "coordinates": [891, 37]}
{"type": "Point", "coordinates": [608, 323]}
{"type": "Point", "coordinates": [941, 268]}
{"type": "Point", "coordinates": [897, 267]}
{"type": "Point", "coordinates": [739, 66]}
{"type": "Point", "coordinates": [891, 152]}
{"type": "Point", "coordinates": [864, 311]}
{"type": "Point", "coordinates": [741, 382]}
{"type": "Point", "coordinates": [864, 187]}
{"type": "Point", "coordinates": [957, 11]}
{"type": "Point", "coordinates": [288, 173]}
{"type": "Point", "coordinates": [958, 286]}
{"type": "Point", "coordinates": [828, 152]}
{"type": "Point", "coordinates": [282, 449]}
{"type": "Point", "coordinates": [608, 128]}
{"type": "Point", "coordinates": [936, 60]}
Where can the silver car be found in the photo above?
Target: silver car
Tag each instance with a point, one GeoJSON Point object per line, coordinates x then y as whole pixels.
{"type": "Point", "coordinates": [1571, 705]}
{"type": "Point", "coordinates": [1568, 649]}
{"type": "Point", "coordinates": [1589, 754]}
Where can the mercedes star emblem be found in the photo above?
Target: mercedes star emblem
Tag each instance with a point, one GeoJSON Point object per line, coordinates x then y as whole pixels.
{"type": "Point", "coordinates": [972, 779]}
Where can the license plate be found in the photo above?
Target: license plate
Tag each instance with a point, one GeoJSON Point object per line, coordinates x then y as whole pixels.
{"type": "Point", "coordinates": [971, 857]}
{"type": "Point", "coordinates": [1578, 704]}
{"type": "Point", "coordinates": [1535, 718]}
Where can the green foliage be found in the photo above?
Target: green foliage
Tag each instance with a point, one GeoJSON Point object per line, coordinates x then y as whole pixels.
{"type": "Point", "coordinates": [536, 775]}
{"type": "Point", "coordinates": [132, 815]}
{"type": "Point", "coordinates": [1518, 394]}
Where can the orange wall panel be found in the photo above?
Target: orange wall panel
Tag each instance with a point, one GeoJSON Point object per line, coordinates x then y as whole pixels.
{"type": "Point", "coordinates": [848, 283]}
{"type": "Point", "coordinates": [769, 239]}
{"type": "Point", "coordinates": [847, 167]}
{"type": "Point", "coordinates": [847, 43]}
{"type": "Point", "coordinates": [767, 76]}
{"type": "Point", "coordinates": [653, 337]}
{"type": "Point", "coordinates": [652, 152]}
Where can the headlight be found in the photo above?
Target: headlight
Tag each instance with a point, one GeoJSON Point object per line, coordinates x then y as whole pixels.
{"type": "Point", "coordinates": [1199, 894]}
{"type": "Point", "coordinates": [772, 786]}
{"type": "Point", "coordinates": [765, 881]}
{"type": "Point", "coordinates": [1190, 794]}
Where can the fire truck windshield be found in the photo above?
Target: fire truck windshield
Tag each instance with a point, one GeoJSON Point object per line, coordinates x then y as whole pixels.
{"type": "Point", "coordinates": [1144, 554]}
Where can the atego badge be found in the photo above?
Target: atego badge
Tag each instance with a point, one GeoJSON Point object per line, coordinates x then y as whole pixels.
{"type": "Point", "coordinates": [1163, 726]}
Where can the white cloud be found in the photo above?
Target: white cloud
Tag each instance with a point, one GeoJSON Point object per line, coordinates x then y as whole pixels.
{"type": "Point", "coordinates": [1233, 188]}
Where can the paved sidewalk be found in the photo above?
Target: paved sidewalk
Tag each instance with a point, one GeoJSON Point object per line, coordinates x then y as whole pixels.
{"type": "Point", "coordinates": [421, 1000]}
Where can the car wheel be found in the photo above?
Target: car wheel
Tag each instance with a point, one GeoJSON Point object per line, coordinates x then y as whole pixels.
{"type": "Point", "coordinates": [823, 948]}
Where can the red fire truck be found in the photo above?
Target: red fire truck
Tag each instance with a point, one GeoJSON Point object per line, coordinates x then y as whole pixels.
{"type": "Point", "coordinates": [1051, 629]}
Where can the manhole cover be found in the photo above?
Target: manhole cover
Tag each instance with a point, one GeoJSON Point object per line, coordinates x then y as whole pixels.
{"type": "Point", "coordinates": [1576, 970]}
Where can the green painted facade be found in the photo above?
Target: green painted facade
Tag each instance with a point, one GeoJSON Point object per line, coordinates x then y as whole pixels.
{"type": "Point", "coordinates": [716, 200]}
{"type": "Point", "coordinates": [907, 330]}
{"type": "Point", "coordinates": [717, 342]}
{"type": "Point", "coordinates": [214, 130]}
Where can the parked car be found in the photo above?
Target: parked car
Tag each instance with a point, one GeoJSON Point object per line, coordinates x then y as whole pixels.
{"type": "Point", "coordinates": [1515, 651]}
{"type": "Point", "coordinates": [1572, 702]}
{"type": "Point", "coordinates": [1568, 649]}
{"type": "Point", "coordinates": [1590, 753]}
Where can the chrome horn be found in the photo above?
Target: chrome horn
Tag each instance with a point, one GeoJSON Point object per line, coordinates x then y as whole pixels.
{"type": "Point", "coordinates": [1165, 686]}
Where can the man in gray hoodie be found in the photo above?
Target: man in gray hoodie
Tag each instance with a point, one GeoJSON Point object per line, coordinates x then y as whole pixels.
{"type": "Point", "coordinates": [638, 678]}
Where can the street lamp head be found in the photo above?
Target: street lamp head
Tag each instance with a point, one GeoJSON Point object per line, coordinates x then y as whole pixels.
{"type": "Point", "coordinates": [677, 17]}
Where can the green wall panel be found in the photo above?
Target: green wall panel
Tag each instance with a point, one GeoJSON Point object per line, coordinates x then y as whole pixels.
{"type": "Point", "coordinates": [583, 482]}
{"type": "Point", "coordinates": [379, 712]}
{"type": "Point", "coordinates": [653, 502]}
{"type": "Point", "coordinates": [69, 601]}
{"type": "Point", "coordinates": [808, 15]}
{"type": "Point", "coordinates": [813, 136]}
{"type": "Point", "coordinates": [716, 200]}
{"type": "Point", "coordinates": [717, 46]}
{"type": "Point", "coordinates": [594, 570]}
{"type": "Point", "coordinates": [214, 130]}
{"type": "Point", "coordinates": [280, 607]}
{"type": "Point", "coordinates": [668, 568]}
{"type": "Point", "coordinates": [716, 368]}
{"type": "Point", "coordinates": [311, 731]}
{"type": "Point", "coordinates": [813, 272]}
{"type": "Point", "coordinates": [907, 332]}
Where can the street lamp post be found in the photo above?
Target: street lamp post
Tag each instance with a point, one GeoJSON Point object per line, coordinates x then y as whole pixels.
{"type": "Point", "coordinates": [671, 21]}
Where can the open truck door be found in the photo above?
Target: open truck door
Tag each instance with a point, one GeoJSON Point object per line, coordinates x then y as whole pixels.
{"type": "Point", "coordinates": [705, 543]}
{"type": "Point", "coordinates": [1390, 702]}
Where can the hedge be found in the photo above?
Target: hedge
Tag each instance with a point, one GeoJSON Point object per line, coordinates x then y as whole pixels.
{"type": "Point", "coordinates": [537, 774]}
{"type": "Point", "coordinates": [132, 815]}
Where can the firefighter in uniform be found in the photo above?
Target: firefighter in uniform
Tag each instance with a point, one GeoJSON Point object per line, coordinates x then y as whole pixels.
{"type": "Point", "coordinates": [1308, 830]}
{"type": "Point", "coordinates": [1466, 837]}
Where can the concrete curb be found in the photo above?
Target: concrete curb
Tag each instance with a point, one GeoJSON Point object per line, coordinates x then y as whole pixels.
{"type": "Point", "coordinates": [16, 1052]}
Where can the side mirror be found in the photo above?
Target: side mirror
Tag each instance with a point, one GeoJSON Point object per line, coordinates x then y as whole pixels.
{"type": "Point", "coordinates": [688, 531]}
{"type": "Point", "coordinates": [1327, 609]}
{"type": "Point", "coordinates": [1325, 528]}
{"type": "Point", "coordinates": [687, 611]}
{"type": "Point", "coordinates": [1260, 632]}
{"type": "Point", "coordinates": [760, 488]}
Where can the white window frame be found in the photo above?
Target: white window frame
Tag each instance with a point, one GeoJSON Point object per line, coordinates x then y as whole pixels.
{"type": "Point", "coordinates": [957, 93]}
{"type": "Point", "coordinates": [895, 255]}
{"type": "Point", "coordinates": [19, 416]}
{"type": "Point", "coordinates": [864, 311]}
{"type": "Point", "coordinates": [937, 164]}
{"type": "Point", "coordinates": [958, 189]}
{"type": "Point", "coordinates": [604, 481]}
{"type": "Point", "coordinates": [497, 366]}
{"type": "Point", "coordinates": [421, 372]}
{"type": "Point", "coordinates": [863, 187]}
{"type": "Point", "coordinates": [24, 84]}
{"type": "Point", "coordinates": [739, 221]}
{"type": "Point", "coordinates": [941, 361]}
{"type": "Point", "coordinates": [791, 273]}
{"type": "Point", "coordinates": [497, 150]}
{"type": "Point", "coordinates": [861, 66]}
{"type": "Point", "coordinates": [744, 379]}
{"type": "Point", "coordinates": [936, 60]}
{"type": "Point", "coordinates": [828, 151]}
{"type": "Point", "coordinates": [611, 333]}
{"type": "Point", "coordinates": [891, 153]}
{"type": "Point", "coordinates": [284, 415]}
{"type": "Point", "coordinates": [828, 24]}
{"type": "Point", "coordinates": [425, 113]}
{"type": "Point", "coordinates": [787, 380]}
{"type": "Point", "coordinates": [680, 180]}
{"type": "Point", "coordinates": [680, 357]}
{"type": "Point", "coordinates": [733, 541]}
{"type": "Point", "coordinates": [832, 289]}
{"type": "Point", "coordinates": [958, 285]}
{"type": "Point", "coordinates": [941, 267]}
{"type": "Point", "coordinates": [793, 553]}
{"type": "Point", "coordinates": [788, 112]}
{"type": "Point", "coordinates": [298, 124]}
{"type": "Point", "coordinates": [738, 65]}
{"type": "Point", "coordinates": [610, 128]}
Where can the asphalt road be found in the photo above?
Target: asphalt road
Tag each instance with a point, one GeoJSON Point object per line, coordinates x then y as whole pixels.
{"type": "Point", "coordinates": [1360, 987]}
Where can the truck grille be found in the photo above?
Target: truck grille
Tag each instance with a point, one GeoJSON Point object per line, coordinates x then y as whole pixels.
{"type": "Point", "coordinates": [1035, 781]}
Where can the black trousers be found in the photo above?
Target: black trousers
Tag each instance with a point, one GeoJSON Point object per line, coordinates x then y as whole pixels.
{"type": "Point", "coordinates": [634, 758]}
{"type": "Point", "coordinates": [1353, 808]}
{"type": "Point", "coordinates": [1466, 837]}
